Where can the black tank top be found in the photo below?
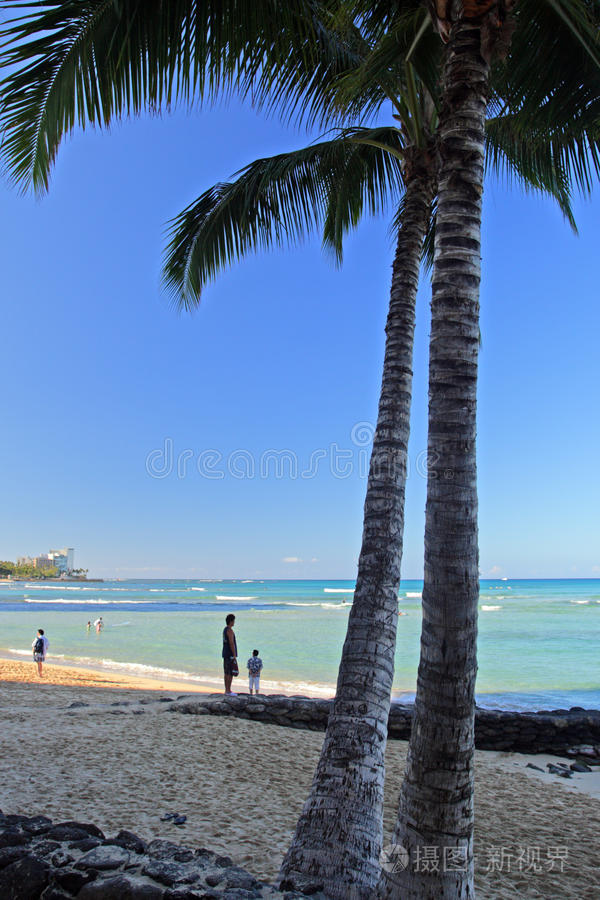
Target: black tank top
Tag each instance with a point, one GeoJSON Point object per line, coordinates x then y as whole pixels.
{"type": "Point", "coordinates": [226, 648]}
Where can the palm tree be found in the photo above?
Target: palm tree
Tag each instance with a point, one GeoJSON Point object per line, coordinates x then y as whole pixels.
{"type": "Point", "coordinates": [436, 799]}
{"type": "Point", "coordinates": [342, 819]}
{"type": "Point", "coordinates": [339, 833]}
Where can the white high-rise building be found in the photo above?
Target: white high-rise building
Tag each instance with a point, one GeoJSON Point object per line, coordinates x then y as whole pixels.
{"type": "Point", "coordinates": [63, 559]}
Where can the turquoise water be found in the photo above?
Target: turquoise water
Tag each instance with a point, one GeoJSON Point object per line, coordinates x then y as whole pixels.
{"type": "Point", "coordinates": [538, 640]}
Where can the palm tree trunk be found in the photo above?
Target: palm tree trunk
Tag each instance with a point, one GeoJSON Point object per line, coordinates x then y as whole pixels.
{"type": "Point", "coordinates": [435, 818]}
{"type": "Point", "coordinates": [339, 834]}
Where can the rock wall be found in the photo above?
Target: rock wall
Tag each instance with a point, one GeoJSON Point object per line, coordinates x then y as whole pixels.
{"type": "Point", "coordinates": [554, 731]}
{"type": "Point", "coordinates": [40, 860]}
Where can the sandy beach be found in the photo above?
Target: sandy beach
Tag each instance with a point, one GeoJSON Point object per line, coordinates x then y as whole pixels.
{"type": "Point", "coordinates": [12, 670]}
{"type": "Point", "coordinates": [122, 761]}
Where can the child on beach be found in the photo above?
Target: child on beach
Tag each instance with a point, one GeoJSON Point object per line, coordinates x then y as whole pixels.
{"type": "Point", "coordinates": [254, 666]}
{"type": "Point", "coordinates": [40, 646]}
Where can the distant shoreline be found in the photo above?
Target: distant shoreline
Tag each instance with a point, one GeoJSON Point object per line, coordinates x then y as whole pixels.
{"type": "Point", "coordinates": [53, 580]}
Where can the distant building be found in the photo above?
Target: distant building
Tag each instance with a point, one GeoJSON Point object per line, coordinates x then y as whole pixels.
{"type": "Point", "coordinates": [63, 559]}
{"type": "Point", "coordinates": [42, 562]}
{"type": "Point", "coordinates": [24, 561]}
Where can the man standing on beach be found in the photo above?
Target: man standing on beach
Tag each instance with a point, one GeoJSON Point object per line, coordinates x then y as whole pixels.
{"type": "Point", "coordinates": [40, 648]}
{"type": "Point", "coordinates": [229, 653]}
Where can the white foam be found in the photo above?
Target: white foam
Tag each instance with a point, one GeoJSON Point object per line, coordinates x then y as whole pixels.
{"type": "Point", "coordinates": [233, 597]}
{"type": "Point", "coordinates": [64, 600]}
{"type": "Point", "coordinates": [338, 590]}
{"type": "Point", "coordinates": [64, 587]}
{"type": "Point", "coordinates": [197, 589]}
{"type": "Point", "coordinates": [490, 608]}
{"type": "Point", "coordinates": [299, 603]}
{"type": "Point", "coordinates": [413, 593]}
{"type": "Point", "coordinates": [342, 605]}
{"type": "Point", "coordinates": [580, 602]}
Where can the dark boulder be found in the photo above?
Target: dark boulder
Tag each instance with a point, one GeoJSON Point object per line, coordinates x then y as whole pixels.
{"type": "Point", "coordinates": [121, 887]}
{"type": "Point", "coordinates": [169, 873]}
{"type": "Point", "coordinates": [10, 855]}
{"type": "Point", "coordinates": [86, 844]}
{"type": "Point", "coordinates": [24, 879]}
{"type": "Point", "coordinates": [104, 858]}
{"type": "Point", "coordinates": [37, 825]}
{"type": "Point", "coordinates": [88, 827]}
{"type": "Point", "coordinates": [13, 837]}
{"type": "Point", "coordinates": [71, 880]}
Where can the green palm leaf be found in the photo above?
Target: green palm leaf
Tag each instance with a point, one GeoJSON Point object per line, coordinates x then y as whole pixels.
{"type": "Point", "coordinates": [88, 61]}
{"type": "Point", "coordinates": [278, 200]}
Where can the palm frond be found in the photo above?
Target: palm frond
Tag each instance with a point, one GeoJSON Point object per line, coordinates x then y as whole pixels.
{"type": "Point", "coordinates": [82, 62]}
{"type": "Point", "coordinates": [276, 201]}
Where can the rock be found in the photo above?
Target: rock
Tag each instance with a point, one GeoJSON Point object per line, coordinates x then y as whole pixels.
{"type": "Point", "coordinates": [582, 750]}
{"type": "Point", "coordinates": [160, 849]}
{"type": "Point", "coordinates": [10, 855]}
{"type": "Point", "coordinates": [90, 829]}
{"type": "Point", "coordinates": [76, 704]}
{"type": "Point", "coordinates": [71, 880]}
{"type": "Point", "coordinates": [235, 877]}
{"type": "Point", "coordinates": [186, 894]}
{"type": "Point", "coordinates": [44, 848]}
{"type": "Point", "coordinates": [86, 844]}
{"type": "Point", "coordinates": [13, 819]}
{"type": "Point", "coordinates": [54, 893]}
{"type": "Point", "coordinates": [303, 884]}
{"type": "Point", "coordinates": [104, 858]}
{"type": "Point", "coordinates": [66, 832]}
{"type": "Point", "coordinates": [12, 837]}
{"type": "Point", "coordinates": [129, 841]}
{"type": "Point", "coordinates": [62, 858]}
{"type": "Point", "coordinates": [24, 879]}
{"type": "Point", "coordinates": [223, 861]}
{"type": "Point", "coordinates": [531, 766]}
{"type": "Point", "coordinates": [579, 767]}
{"type": "Point", "coordinates": [37, 825]}
{"type": "Point", "coordinates": [169, 873]}
{"type": "Point", "coordinates": [214, 879]}
{"type": "Point", "coordinates": [121, 887]}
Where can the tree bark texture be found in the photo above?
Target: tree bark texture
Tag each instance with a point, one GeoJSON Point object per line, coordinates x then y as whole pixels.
{"type": "Point", "coordinates": [339, 834]}
{"type": "Point", "coordinates": [435, 819]}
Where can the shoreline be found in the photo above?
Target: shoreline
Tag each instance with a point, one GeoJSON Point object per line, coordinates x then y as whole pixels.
{"type": "Point", "coordinates": [68, 673]}
{"type": "Point", "coordinates": [17, 671]}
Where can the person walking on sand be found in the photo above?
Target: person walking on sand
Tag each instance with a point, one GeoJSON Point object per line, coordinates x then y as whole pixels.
{"type": "Point", "coordinates": [254, 666]}
{"type": "Point", "coordinates": [99, 625]}
{"type": "Point", "coordinates": [230, 666]}
{"type": "Point", "coordinates": [40, 648]}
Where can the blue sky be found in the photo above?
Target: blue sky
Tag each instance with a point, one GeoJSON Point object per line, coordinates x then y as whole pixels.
{"type": "Point", "coordinates": [113, 400]}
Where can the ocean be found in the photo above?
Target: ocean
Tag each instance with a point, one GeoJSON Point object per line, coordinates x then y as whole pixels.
{"type": "Point", "coordinates": [538, 640]}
